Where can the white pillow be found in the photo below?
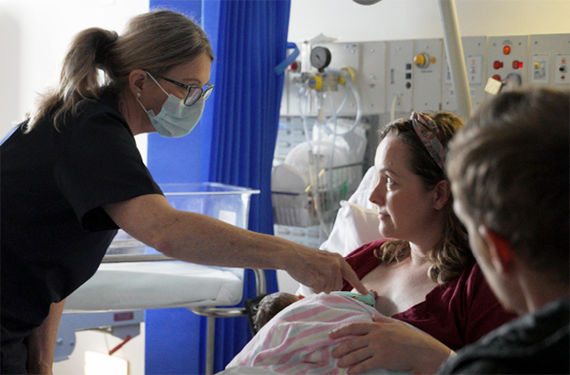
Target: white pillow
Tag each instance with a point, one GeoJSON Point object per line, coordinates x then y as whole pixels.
{"type": "Point", "coordinates": [356, 223]}
{"type": "Point", "coordinates": [354, 227]}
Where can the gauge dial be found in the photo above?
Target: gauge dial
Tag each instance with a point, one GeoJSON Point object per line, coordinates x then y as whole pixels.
{"type": "Point", "coordinates": [320, 57]}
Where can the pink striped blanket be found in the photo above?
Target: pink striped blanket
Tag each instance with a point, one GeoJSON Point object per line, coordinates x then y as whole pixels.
{"type": "Point", "coordinates": [296, 340]}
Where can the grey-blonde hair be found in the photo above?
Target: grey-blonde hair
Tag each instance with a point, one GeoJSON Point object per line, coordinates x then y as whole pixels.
{"type": "Point", "coordinates": [155, 41]}
{"type": "Point", "coordinates": [452, 254]}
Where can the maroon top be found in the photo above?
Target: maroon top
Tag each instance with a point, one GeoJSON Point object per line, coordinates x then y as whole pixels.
{"type": "Point", "coordinates": [456, 313]}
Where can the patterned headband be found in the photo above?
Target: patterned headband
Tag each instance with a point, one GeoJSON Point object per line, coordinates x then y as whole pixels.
{"type": "Point", "coordinates": [429, 134]}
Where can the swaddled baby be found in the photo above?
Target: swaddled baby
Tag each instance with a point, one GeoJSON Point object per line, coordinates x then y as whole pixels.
{"type": "Point", "coordinates": [272, 304]}
{"type": "Point", "coordinates": [294, 332]}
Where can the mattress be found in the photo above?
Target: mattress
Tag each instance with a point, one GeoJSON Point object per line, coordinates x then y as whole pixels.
{"type": "Point", "coordinates": [155, 285]}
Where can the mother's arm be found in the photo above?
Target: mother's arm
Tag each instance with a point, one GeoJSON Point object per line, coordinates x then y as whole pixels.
{"type": "Point", "coordinates": [390, 344]}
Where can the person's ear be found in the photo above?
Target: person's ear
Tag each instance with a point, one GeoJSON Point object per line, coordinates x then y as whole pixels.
{"type": "Point", "coordinates": [500, 250]}
{"type": "Point", "coordinates": [442, 193]}
{"type": "Point", "coordinates": [138, 80]}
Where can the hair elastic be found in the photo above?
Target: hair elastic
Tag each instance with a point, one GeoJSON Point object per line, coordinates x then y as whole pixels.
{"type": "Point", "coordinates": [429, 134]}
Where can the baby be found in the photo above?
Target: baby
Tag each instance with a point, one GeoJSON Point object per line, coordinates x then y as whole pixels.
{"type": "Point", "coordinates": [272, 304]}
{"type": "Point", "coordinates": [294, 332]}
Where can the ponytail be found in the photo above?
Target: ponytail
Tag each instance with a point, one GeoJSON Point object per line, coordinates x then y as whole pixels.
{"type": "Point", "coordinates": [80, 78]}
{"type": "Point", "coordinates": [156, 41]}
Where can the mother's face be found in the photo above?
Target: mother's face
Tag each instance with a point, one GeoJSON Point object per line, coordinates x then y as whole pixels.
{"type": "Point", "coordinates": [405, 207]}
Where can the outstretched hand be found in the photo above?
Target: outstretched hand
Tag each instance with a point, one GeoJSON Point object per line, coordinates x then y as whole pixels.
{"type": "Point", "coordinates": [323, 271]}
{"type": "Point", "coordinates": [390, 344]}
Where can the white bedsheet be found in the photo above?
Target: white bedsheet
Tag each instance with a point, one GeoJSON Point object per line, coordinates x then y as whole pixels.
{"type": "Point", "coordinates": [161, 284]}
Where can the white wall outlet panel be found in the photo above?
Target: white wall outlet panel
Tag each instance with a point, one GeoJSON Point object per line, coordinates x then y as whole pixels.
{"type": "Point", "coordinates": [371, 78]}
{"type": "Point", "coordinates": [399, 75]}
{"type": "Point", "coordinates": [546, 60]}
{"type": "Point", "coordinates": [561, 70]}
{"type": "Point", "coordinates": [507, 59]}
{"type": "Point", "coordinates": [475, 51]}
{"type": "Point", "coordinates": [427, 78]}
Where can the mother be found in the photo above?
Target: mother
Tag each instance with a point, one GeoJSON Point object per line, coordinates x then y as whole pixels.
{"type": "Point", "coordinates": [427, 275]}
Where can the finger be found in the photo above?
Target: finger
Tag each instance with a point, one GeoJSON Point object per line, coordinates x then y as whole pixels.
{"type": "Point", "coordinates": [354, 329]}
{"type": "Point", "coordinates": [381, 318]}
{"type": "Point", "coordinates": [363, 366]}
{"type": "Point", "coordinates": [347, 347]}
{"type": "Point", "coordinates": [355, 357]}
{"type": "Point", "coordinates": [349, 275]}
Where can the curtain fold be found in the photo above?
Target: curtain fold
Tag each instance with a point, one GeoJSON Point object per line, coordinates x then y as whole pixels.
{"type": "Point", "coordinates": [233, 144]}
{"type": "Point", "coordinates": [243, 123]}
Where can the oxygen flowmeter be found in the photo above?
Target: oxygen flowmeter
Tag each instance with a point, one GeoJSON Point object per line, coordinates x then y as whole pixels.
{"type": "Point", "coordinates": [324, 81]}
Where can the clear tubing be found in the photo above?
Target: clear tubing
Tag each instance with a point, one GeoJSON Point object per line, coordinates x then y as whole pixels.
{"type": "Point", "coordinates": [393, 111]}
{"type": "Point", "coordinates": [348, 81]}
{"type": "Point", "coordinates": [304, 93]}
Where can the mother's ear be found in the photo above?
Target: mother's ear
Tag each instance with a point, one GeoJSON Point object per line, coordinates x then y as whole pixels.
{"type": "Point", "coordinates": [442, 193]}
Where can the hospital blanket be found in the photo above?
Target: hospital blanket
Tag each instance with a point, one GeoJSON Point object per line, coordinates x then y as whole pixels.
{"type": "Point", "coordinates": [296, 340]}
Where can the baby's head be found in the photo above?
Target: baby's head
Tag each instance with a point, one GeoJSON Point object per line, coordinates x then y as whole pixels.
{"type": "Point", "coordinates": [271, 305]}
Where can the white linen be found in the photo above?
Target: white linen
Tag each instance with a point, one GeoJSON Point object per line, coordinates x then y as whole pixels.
{"type": "Point", "coordinates": [160, 284]}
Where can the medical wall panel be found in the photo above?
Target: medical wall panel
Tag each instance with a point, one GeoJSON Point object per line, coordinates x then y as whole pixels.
{"type": "Point", "coordinates": [475, 52]}
{"type": "Point", "coordinates": [507, 61]}
{"type": "Point", "coordinates": [548, 59]}
{"type": "Point", "coordinates": [399, 75]}
{"type": "Point", "coordinates": [371, 78]}
{"type": "Point", "coordinates": [427, 74]}
{"type": "Point", "coordinates": [343, 56]}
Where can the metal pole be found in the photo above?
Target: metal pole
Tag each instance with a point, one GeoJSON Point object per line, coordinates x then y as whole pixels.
{"type": "Point", "coordinates": [456, 61]}
{"type": "Point", "coordinates": [211, 331]}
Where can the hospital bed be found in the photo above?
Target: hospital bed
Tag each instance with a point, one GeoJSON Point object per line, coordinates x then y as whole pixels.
{"type": "Point", "coordinates": [133, 277]}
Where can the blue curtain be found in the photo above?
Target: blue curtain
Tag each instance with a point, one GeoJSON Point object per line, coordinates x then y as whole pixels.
{"type": "Point", "coordinates": [235, 145]}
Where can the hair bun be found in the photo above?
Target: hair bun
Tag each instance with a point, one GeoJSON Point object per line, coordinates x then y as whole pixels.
{"type": "Point", "coordinates": [103, 45]}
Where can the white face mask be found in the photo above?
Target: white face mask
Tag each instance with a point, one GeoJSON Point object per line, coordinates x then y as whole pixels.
{"type": "Point", "coordinates": [175, 119]}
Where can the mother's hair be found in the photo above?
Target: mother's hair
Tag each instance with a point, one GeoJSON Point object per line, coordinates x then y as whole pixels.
{"type": "Point", "coordinates": [451, 254]}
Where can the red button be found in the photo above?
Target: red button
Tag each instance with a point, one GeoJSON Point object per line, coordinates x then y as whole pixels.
{"type": "Point", "coordinates": [517, 64]}
{"type": "Point", "coordinates": [497, 77]}
{"type": "Point", "coordinates": [506, 50]}
{"type": "Point", "coordinates": [497, 65]}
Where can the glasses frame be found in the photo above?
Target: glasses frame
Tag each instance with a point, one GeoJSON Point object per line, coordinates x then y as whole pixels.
{"type": "Point", "coordinates": [204, 93]}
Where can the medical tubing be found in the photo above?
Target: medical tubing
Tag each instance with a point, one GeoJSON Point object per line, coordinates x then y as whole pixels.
{"type": "Point", "coordinates": [331, 158]}
{"type": "Point", "coordinates": [393, 110]}
{"type": "Point", "coordinates": [318, 203]}
{"type": "Point", "coordinates": [348, 82]}
{"type": "Point", "coordinates": [313, 181]}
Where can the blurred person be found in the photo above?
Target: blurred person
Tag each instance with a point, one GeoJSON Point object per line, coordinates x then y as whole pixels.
{"type": "Point", "coordinates": [510, 176]}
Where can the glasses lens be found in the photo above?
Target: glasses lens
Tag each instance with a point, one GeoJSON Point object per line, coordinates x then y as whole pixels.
{"type": "Point", "coordinates": [207, 92]}
{"type": "Point", "coordinates": [193, 96]}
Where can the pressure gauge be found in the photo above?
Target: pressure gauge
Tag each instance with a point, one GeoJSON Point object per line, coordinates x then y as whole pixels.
{"type": "Point", "coordinates": [320, 57]}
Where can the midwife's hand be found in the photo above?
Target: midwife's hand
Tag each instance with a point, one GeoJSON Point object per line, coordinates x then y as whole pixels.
{"type": "Point", "coordinates": [390, 344]}
{"type": "Point", "coordinates": [322, 271]}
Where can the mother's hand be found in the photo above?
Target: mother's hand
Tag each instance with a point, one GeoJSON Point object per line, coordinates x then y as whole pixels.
{"type": "Point", "coordinates": [390, 344]}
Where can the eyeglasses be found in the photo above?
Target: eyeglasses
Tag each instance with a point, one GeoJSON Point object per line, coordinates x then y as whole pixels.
{"type": "Point", "coordinates": [194, 93]}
